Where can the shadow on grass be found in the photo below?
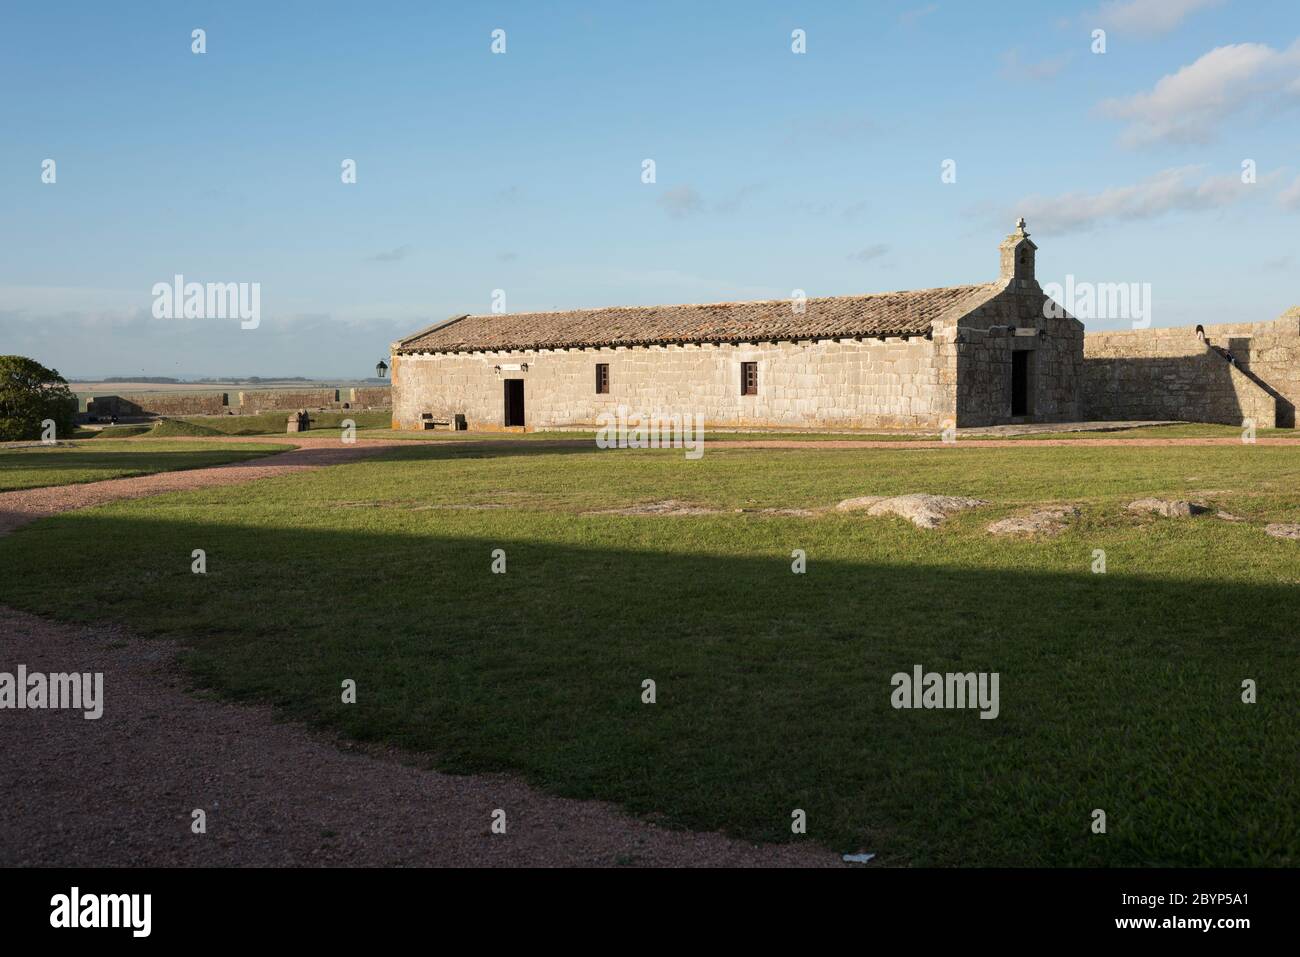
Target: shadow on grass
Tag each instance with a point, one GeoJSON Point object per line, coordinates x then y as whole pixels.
{"type": "Point", "coordinates": [477, 448]}
{"type": "Point", "coordinates": [162, 460]}
{"type": "Point", "coordinates": [40, 468]}
{"type": "Point", "coordinates": [773, 689]}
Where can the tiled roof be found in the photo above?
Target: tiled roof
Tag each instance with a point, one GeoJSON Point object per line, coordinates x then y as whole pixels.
{"type": "Point", "coordinates": [833, 317]}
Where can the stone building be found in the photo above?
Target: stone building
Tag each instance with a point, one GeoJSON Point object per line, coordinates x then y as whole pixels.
{"type": "Point", "coordinates": [969, 355]}
{"type": "Point", "coordinates": [1000, 352]}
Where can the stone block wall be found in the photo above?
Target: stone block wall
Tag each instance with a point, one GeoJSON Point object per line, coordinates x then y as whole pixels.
{"type": "Point", "coordinates": [842, 383]}
{"type": "Point", "coordinates": [1270, 353]}
{"type": "Point", "coordinates": [246, 403]}
{"type": "Point", "coordinates": [159, 403]}
{"type": "Point", "coordinates": [281, 400]}
{"type": "Point", "coordinates": [1168, 374]}
{"type": "Point", "coordinates": [371, 397]}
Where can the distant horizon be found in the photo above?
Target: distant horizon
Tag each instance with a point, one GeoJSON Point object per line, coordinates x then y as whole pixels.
{"type": "Point", "coordinates": [214, 380]}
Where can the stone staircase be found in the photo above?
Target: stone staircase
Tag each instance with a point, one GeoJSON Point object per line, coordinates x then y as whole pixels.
{"type": "Point", "coordinates": [1284, 417]}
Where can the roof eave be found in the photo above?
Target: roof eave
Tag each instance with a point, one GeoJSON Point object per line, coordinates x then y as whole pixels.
{"type": "Point", "coordinates": [440, 324]}
{"type": "Point", "coordinates": [461, 349]}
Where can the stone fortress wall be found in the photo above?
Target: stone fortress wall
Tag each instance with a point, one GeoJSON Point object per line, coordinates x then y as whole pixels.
{"type": "Point", "coordinates": [1223, 373]}
{"type": "Point", "coordinates": [250, 402]}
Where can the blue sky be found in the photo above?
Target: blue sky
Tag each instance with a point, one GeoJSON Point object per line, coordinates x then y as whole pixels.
{"type": "Point", "coordinates": [521, 171]}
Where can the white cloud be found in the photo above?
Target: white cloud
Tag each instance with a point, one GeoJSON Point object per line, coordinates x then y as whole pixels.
{"type": "Point", "coordinates": [851, 212]}
{"type": "Point", "coordinates": [854, 210]}
{"type": "Point", "coordinates": [391, 255]}
{"type": "Point", "coordinates": [1290, 196]}
{"type": "Point", "coordinates": [509, 196]}
{"type": "Point", "coordinates": [603, 285]}
{"type": "Point", "coordinates": [1188, 106]}
{"type": "Point", "coordinates": [870, 253]}
{"type": "Point", "coordinates": [682, 201]}
{"type": "Point", "coordinates": [815, 131]}
{"type": "Point", "coordinates": [1013, 67]}
{"type": "Point", "coordinates": [35, 302]}
{"type": "Point", "coordinates": [1147, 16]}
{"type": "Point", "coordinates": [1181, 189]}
{"type": "Point", "coordinates": [734, 201]}
{"type": "Point", "coordinates": [910, 18]}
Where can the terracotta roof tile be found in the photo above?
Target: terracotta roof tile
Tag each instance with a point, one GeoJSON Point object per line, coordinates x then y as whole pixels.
{"type": "Point", "coordinates": [881, 314]}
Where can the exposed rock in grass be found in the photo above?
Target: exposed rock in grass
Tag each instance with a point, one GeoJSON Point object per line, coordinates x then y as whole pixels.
{"type": "Point", "coordinates": [457, 506]}
{"type": "Point", "coordinates": [1228, 516]}
{"type": "Point", "coordinates": [451, 506]}
{"type": "Point", "coordinates": [668, 506]}
{"type": "Point", "coordinates": [859, 504]}
{"type": "Point", "coordinates": [1289, 530]}
{"type": "Point", "coordinates": [1166, 507]}
{"type": "Point", "coordinates": [671, 507]}
{"type": "Point", "coordinates": [1049, 520]}
{"type": "Point", "coordinates": [923, 511]}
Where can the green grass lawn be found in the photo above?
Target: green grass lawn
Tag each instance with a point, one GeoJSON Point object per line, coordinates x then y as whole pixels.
{"type": "Point", "coordinates": [111, 458]}
{"type": "Point", "coordinates": [113, 431]}
{"type": "Point", "coordinates": [383, 432]}
{"type": "Point", "coordinates": [1118, 691]}
{"type": "Point", "coordinates": [267, 423]}
{"type": "Point", "coordinates": [1183, 430]}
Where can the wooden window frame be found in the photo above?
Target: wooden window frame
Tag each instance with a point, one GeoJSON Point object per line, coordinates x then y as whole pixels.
{"type": "Point", "coordinates": [749, 378]}
{"type": "Point", "coordinates": [602, 378]}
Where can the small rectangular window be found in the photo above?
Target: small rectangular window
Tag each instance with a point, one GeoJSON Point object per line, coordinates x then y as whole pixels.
{"type": "Point", "coordinates": [749, 378]}
{"type": "Point", "coordinates": [602, 377]}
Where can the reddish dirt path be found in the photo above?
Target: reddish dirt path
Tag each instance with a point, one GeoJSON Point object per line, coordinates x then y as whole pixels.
{"type": "Point", "coordinates": [26, 505]}
{"type": "Point", "coordinates": [120, 790]}
{"type": "Point", "coordinates": [988, 443]}
{"type": "Point", "coordinates": [717, 439]}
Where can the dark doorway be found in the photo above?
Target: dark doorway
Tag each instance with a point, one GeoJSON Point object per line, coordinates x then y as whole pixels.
{"type": "Point", "coordinates": [514, 401]}
{"type": "Point", "coordinates": [1020, 382]}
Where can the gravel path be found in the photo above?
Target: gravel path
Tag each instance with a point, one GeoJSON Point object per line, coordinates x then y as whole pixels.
{"type": "Point", "coordinates": [120, 790]}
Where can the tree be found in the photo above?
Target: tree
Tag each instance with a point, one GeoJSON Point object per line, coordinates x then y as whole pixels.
{"type": "Point", "coordinates": [30, 394]}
